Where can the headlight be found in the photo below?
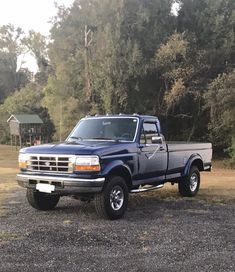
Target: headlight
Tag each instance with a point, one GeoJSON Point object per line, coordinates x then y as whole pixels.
{"type": "Point", "coordinates": [23, 160]}
{"type": "Point", "coordinates": [87, 163]}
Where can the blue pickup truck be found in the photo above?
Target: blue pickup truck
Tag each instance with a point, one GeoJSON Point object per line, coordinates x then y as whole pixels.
{"type": "Point", "coordinates": [105, 158]}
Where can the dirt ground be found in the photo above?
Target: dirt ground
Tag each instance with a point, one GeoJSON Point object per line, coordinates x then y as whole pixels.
{"type": "Point", "coordinates": [160, 231]}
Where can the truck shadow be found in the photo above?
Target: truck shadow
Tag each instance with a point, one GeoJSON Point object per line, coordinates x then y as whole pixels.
{"type": "Point", "coordinates": [148, 206]}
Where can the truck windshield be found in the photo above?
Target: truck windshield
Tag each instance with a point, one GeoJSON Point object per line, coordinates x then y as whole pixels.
{"type": "Point", "coordinates": [112, 129]}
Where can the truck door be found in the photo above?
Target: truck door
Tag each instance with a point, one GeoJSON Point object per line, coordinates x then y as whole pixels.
{"type": "Point", "coordinates": [152, 156]}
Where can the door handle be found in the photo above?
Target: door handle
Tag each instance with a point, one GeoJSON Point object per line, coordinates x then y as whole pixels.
{"type": "Point", "coordinates": [161, 148]}
{"type": "Point", "coordinates": [143, 145]}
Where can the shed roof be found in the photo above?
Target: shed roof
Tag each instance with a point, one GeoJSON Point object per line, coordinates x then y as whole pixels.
{"type": "Point", "coordinates": [26, 118]}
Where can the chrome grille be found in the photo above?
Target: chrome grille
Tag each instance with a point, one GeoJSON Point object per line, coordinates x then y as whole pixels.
{"type": "Point", "coordinates": [49, 163]}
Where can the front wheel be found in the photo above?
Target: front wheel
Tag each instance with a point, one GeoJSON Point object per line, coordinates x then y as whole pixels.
{"type": "Point", "coordinates": [189, 186]}
{"type": "Point", "coordinates": [111, 203]}
{"type": "Point", "coordinates": [42, 201]}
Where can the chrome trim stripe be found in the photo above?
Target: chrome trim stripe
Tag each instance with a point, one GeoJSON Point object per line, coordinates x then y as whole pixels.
{"type": "Point", "coordinates": [47, 178]}
{"type": "Point", "coordinates": [182, 150]}
{"type": "Point", "coordinates": [119, 156]}
{"type": "Point", "coordinates": [60, 155]}
{"type": "Point", "coordinates": [146, 189]}
{"type": "Point", "coordinates": [50, 173]}
{"type": "Point", "coordinates": [49, 155]}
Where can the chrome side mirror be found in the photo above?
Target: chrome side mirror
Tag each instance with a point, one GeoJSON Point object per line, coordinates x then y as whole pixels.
{"type": "Point", "coordinates": [157, 140]}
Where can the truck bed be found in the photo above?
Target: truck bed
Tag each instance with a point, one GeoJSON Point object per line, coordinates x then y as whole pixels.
{"type": "Point", "coordinates": [184, 146]}
{"type": "Point", "coordinates": [179, 154]}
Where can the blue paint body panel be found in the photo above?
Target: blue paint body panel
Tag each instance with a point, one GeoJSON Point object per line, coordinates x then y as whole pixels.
{"type": "Point", "coordinates": [144, 163]}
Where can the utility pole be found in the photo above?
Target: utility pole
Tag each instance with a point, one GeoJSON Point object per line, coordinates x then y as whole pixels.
{"type": "Point", "coordinates": [61, 120]}
{"type": "Point", "coordinates": [88, 41]}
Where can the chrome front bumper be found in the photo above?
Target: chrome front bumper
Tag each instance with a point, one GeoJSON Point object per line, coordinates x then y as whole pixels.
{"type": "Point", "coordinates": [63, 185]}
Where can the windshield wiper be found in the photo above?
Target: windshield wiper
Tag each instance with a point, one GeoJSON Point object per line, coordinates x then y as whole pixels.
{"type": "Point", "coordinates": [104, 138]}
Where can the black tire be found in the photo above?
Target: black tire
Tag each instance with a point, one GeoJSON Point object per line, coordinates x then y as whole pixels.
{"type": "Point", "coordinates": [111, 203]}
{"type": "Point", "coordinates": [42, 201]}
{"type": "Point", "coordinates": [85, 199]}
{"type": "Point", "coordinates": [189, 185]}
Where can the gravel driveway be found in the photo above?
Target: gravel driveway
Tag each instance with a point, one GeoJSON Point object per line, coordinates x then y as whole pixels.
{"type": "Point", "coordinates": [156, 234]}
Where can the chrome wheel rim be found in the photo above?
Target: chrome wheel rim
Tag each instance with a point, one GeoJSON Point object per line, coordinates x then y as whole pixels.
{"type": "Point", "coordinates": [116, 198]}
{"type": "Point", "coordinates": [193, 182]}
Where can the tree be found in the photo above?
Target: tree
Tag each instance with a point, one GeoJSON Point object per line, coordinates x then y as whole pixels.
{"type": "Point", "coordinates": [26, 101]}
{"type": "Point", "coordinates": [139, 57]}
{"type": "Point", "coordinates": [220, 100]}
{"type": "Point", "coordinates": [37, 45]}
{"type": "Point", "coordinates": [181, 66]}
{"type": "Point", "coordinates": [11, 47]}
{"type": "Point", "coordinates": [120, 59]}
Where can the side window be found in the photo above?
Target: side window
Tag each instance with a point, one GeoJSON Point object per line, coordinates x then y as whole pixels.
{"type": "Point", "coordinates": [150, 130]}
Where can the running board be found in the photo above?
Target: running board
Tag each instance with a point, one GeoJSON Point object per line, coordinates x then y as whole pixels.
{"type": "Point", "coordinates": [146, 189]}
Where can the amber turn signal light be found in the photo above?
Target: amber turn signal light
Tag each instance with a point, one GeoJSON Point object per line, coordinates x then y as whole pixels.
{"type": "Point", "coordinates": [22, 165]}
{"type": "Point", "coordinates": [87, 167]}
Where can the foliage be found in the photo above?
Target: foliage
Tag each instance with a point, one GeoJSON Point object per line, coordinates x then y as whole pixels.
{"type": "Point", "coordinates": [26, 101]}
{"type": "Point", "coordinates": [11, 47]}
{"type": "Point", "coordinates": [131, 56]}
{"type": "Point", "coordinates": [37, 45]}
{"type": "Point", "coordinates": [221, 102]}
{"type": "Point", "coordinates": [22, 101]}
{"type": "Point", "coordinates": [120, 58]}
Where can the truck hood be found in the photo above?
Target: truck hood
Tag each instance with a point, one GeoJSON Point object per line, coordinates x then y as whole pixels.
{"type": "Point", "coordinates": [99, 148]}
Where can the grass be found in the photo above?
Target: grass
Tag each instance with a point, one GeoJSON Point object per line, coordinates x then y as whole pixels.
{"type": "Point", "coordinates": [8, 170]}
{"type": "Point", "coordinates": [217, 186]}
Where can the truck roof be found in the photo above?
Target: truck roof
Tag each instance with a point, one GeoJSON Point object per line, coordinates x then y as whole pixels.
{"type": "Point", "coordinates": [140, 116]}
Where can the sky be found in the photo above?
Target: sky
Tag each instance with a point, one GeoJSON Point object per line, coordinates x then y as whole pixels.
{"type": "Point", "coordinates": [33, 14]}
{"type": "Point", "coordinates": [30, 14]}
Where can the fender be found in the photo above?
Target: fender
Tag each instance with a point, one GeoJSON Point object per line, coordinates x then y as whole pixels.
{"type": "Point", "coordinates": [113, 165]}
{"type": "Point", "coordinates": [189, 163]}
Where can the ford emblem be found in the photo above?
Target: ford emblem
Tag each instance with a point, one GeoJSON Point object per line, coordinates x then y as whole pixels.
{"type": "Point", "coordinates": [47, 163]}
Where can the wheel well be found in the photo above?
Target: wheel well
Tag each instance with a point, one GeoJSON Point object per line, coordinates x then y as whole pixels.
{"type": "Point", "coordinates": [199, 164]}
{"type": "Point", "coordinates": [122, 172]}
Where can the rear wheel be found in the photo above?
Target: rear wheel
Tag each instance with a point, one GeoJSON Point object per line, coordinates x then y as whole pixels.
{"type": "Point", "coordinates": [42, 201]}
{"type": "Point", "coordinates": [189, 186]}
{"type": "Point", "coordinates": [111, 203]}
